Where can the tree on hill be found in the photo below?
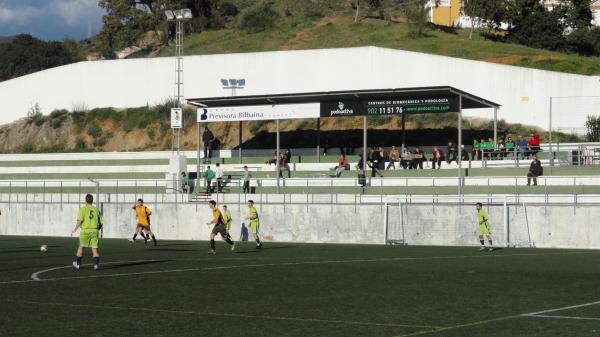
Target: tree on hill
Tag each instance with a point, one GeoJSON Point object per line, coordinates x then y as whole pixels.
{"type": "Point", "coordinates": [24, 54]}
{"type": "Point", "coordinates": [533, 25]}
{"type": "Point", "coordinates": [484, 12]}
{"type": "Point", "coordinates": [126, 21]}
{"type": "Point", "coordinates": [417, 13]}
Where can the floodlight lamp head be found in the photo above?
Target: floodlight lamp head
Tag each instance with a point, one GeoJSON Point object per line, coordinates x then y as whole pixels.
{"type": "Point", "coordinates": [169, 14]}
{"type": "Point", "coordinates": [224, 82]}
{"type": "Point", "coordinates": [178, 14]}
{"type": "Point", "coordinates": [233, 82]}
{"type": "Point", "coordinates": [241, 82]}
{"type": "Point", "coordinates": [187, 13]}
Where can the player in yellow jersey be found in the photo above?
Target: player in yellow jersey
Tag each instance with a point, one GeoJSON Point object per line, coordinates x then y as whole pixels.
{"type": "Point", "coordinates": [254, 223]}
{"type": "Point", "coordinates": [89, 220]}
{"type": "Point", "coordinates": [484, 227]}
{"type": "Point", "coordinates": [227, 218]}
{"type": "Point", "coordinates": [142, 214]}
{"type": "Point", "coordinates": [219, 228]}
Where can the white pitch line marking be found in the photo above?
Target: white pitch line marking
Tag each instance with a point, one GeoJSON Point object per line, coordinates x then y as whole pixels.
{"type": "Point", "coordinates": [564, 317]}
{"type": "Point", "coordinates": [297, 263]}
{"type": "Point", "coordinates": [537, 313]}
{"type": "Point", "coordinates": [35, 275]}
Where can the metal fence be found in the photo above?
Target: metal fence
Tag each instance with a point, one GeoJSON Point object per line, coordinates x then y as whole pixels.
{"type": "Point", "coordinates": [574, 189]}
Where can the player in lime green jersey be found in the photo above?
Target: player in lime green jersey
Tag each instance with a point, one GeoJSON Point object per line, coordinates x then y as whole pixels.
{"type": "Point", "coordinates": [254, 223]}
{"type": "Point", "coordinates": [89, 220]}
{"type": "Point", "coordinates": [227, 218]}
{"type": "Point", "coordinates": [484, 227]}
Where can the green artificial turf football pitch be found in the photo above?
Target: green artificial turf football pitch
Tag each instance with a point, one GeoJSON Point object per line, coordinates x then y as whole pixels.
{"type": "Point", "coordinates": [289, 289]}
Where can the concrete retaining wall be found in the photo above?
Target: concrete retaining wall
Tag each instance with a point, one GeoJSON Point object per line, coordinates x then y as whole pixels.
{"type": "Point", "coordinates": [424, 224]}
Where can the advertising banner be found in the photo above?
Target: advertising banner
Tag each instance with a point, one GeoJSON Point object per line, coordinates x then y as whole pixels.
{"type": "Point", "coordinates": [176, 118]}
{"type": "Point", "coordinates": [258, 112]}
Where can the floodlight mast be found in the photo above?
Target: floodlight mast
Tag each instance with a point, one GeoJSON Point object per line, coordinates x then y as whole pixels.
{"type": "Point", "coordinates": [233, 85]}
{"type": "Point", "coordinates": [179, 16]}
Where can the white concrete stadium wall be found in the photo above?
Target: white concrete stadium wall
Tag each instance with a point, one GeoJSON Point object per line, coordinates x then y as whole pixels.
{"type": "Point", "coordinates": [136, 82]}
{"type": "Point", "coordinates": [550, 226]}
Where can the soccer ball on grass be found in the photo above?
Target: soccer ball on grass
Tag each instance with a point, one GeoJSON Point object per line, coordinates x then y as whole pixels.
{"type": "Point", "coordinates": [43, 248]}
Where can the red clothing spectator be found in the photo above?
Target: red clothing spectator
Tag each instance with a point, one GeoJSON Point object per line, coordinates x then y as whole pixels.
{"type": "Point", "coordinates": [534, 143]}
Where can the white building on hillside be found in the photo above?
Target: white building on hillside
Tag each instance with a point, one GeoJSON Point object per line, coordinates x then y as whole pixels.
{"type": "Point", "coordinates": [523, 93]}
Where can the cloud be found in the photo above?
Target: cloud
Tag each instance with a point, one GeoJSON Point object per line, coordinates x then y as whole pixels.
{"type": "Point", "coordinates": [74, 11]}
{"type": "Point", "coordinates": [49, 19]}
{"type": "Point", "coordinates": [18, 15]}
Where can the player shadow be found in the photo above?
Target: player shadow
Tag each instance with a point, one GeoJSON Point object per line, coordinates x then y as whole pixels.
{"type": "Point", "coordinates": [263, 248]}
{"type": "Point", "coordinates": [176, 244]}
{"type": "Point", "coordinates": [21, 250]}
{"type": "Point", "coordinates": [2, 249]}
{"type": "Point", "coordinates": [497, 249]}
{"type": "Point", "coordinates": [131, 264]}
{"type": "Point", "coordinates": [173, 249]}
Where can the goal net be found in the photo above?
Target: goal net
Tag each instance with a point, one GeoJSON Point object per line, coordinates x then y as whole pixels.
{"type": "Point", "coordinates": [448, 221]}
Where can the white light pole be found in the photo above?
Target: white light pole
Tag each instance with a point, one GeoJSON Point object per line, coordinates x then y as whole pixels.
{"type": "Point", "coordinates": [179, 16]}
{"type": "Point", "coordinates": [233, 85]}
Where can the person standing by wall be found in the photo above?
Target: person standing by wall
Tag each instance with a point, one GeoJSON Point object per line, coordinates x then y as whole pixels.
{"type": "Point", "coordinates": [219, 176]}
{"type": "Point", "coordinates": [247, 177]}
{"type": "Point", "coordinates": [535, 170]}
{"type": "Point", "coordinates": [185, 182]}
{"type": "Point", "coordinates": [209, 175]}
{"type": "Point", "coordinates": [207, 138]}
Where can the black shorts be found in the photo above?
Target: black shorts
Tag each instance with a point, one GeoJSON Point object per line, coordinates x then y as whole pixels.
{"type": "Point", "coordinates": [219, 229]}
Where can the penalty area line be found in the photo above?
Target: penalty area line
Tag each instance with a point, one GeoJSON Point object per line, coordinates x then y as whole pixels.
{"type": "Point", "coordinates": [215, 314]}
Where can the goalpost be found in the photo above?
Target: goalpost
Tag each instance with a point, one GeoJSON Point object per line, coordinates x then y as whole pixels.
{"type": "Point", "coordinates": [451, 221]}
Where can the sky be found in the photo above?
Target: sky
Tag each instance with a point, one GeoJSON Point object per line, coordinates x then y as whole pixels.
{"type": "Point", "coordinates": [50, 19]}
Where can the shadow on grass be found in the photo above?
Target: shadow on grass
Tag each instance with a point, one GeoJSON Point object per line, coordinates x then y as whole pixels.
{"type": "Point", "coordinates": [172, 249]}
{"type": "Point", "coordinates": [175, 244]}
{"type": "Point", "coordinates": [130, 264]}
{"type": "Point", "coordinates": [264, 248]}
{"type": "Point", "coordinates": [28, 247]}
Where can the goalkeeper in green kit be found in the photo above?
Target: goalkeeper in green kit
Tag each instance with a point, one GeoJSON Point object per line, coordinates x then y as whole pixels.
{"type": "Point", "coordinates": [89, 220]}
{"type": "Point", "coordinates": [484, 227]}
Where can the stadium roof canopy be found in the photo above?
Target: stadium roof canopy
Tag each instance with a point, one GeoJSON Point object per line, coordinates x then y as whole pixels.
{"type": "Point", "coordinates": [469, 101]}
{"type": "Point", "coordinates": [376, 102]}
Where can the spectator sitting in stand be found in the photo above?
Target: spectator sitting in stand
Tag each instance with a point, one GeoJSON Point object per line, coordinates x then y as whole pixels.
{"type": "Point", "coordinates": [483, 149]}
{"type": "Point", "coordinates": [475, 152]}
{"type": "Point", "coordinates": [509, 145]}
{"type": "Point", "coordinates": [342, 166]}
{"type": "Point", "coordinates": [283, 166]}
{"type": "Point", "coordinates": [394, 156]}
{"type": "Point", "coordinates": [522, 147]}
{"type": "Point", "coordinates": [404, 158]}
{"type": "Point", "coordinates": [451, 153]}
{"type": "Point", "coordinates": [419, 158]}
{"type": "Point", "coordinates": [501, 149]}
{"type": "Point", "coordinates": [274, 160]}
{"type": "Point", "coordinates": [436, 158]}
{"type": "Point", "coordinates": [464, 155]}
{"type": "Point", "coordinates": [491, 145]}
{"type": "Point", "coordinates": [534, 142]}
